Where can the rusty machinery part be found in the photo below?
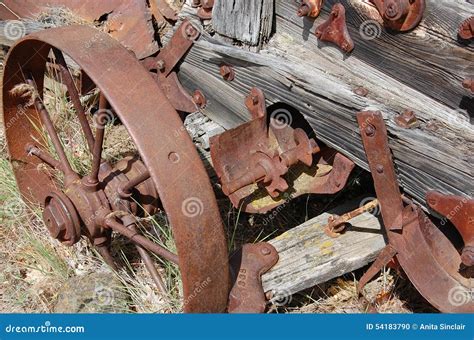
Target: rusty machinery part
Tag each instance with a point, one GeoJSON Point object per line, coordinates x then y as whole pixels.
{"type": "Point", "coordinates": [161, 9]}
{"type": "Point", "coordinates": [460, 211]}
{"type": "Point", "coordinates": [163, 66]}
{"type": "Point", "coordinates": [334, 29]}
{"type": "Point", "coordinates": [247, 267]}
{"type": "Point", "coordinates": [199, 99]}
{"type": "Point", "coordinates": [127, 21]}
{"type": "Point", "coordinates": [466, 29]}
{"type": "Point", "coordinates": [205, 12]}
{"type": "Point", "coordinates": [337, 224]}
{"type": "Point", "coordinates": [151, 123]}
{"type": "Point", "coordinates": [257, 160]}
{"type": "Point", "coordinates": [468, 84]}
{"type": "Point", "coordinates": [310, 8]}
{"type": "Point", "coordinates": [227, 72]}
{"type": "Point", "coordinates": [427, 255]}
{"type": "Point", "coordinates": [400, 15]}
{"type": "Point", "coordinates": [407, 120]}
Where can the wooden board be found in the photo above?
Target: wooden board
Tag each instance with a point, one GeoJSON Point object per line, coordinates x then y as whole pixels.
{"type": "Point", "coordinates": [319, 81]}
{"type": "Point", "coordinates": [309, 257]}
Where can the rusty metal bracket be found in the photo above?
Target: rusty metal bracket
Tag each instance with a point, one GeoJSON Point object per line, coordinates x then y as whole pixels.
{"type": "Point", "coordinates": [264, 162]}
{"type": "Point", "coordinates": [427, 255]}
{"type": "Point", "coordinates": [310, 8]}
{"type": "Point", "coordinates": [247, 266]}
{"type": "Point", "coordinates": [400, 15]}
{"type": "Point", "coordinates": [164, 64]}
{"type": "Point", "coordinates": [374, 136]}
{"type": "Point", "coordinates": [466, 29]}
{"type": "Point", "coordinates": [460, 211]}
{"type": "Point", "coordinates": [468, 84]}
{"type": "Point", "coordinates": [335, 29]}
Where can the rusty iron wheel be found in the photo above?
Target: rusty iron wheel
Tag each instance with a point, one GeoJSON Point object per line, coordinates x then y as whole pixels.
{"type": "Point", "coordinates": [168, 168]}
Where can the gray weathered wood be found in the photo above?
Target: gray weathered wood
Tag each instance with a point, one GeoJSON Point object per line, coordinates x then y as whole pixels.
{"type": "Point", "coordinates": [249, 21]}
{"type": "Point", "coordinates": [309, 257]}
{"type": "Point", "coordinates": [319, 82]}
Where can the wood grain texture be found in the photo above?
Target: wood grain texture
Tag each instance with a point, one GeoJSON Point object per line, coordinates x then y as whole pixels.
{"type": "Point", "coordinates": [309, 257]}
{"type": "Point", "coordinates": [319, 82]}
{"type": "Point", "coordinates": [249, 21]}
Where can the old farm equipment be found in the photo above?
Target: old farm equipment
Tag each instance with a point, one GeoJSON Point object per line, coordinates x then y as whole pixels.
{"type": "Point", "coordinates": [260, 163]}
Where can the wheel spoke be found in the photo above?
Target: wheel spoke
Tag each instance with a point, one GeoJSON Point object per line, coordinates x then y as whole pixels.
{"type": "Point", "coordinates": [74, 94]}
{"type": "Point", "coordinates": [99, 139]}
{"type": "Point", "coordinates": [43, 156]}
{"type": "Point", "coordinates": [46, 120]}
{"type": "Point", "coordinates": [135, 237]}
{"type": "Point", "coordinates": [125, 190]}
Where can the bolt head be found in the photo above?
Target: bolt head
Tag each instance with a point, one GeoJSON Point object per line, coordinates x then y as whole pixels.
{"type": "Point", "coordinates": [265, 251]}
{"type": "Point", "coordinates": [370, 130]}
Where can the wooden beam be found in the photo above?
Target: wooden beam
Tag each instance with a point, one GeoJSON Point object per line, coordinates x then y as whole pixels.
{"type": "Point", "coordinates": [309, 257]}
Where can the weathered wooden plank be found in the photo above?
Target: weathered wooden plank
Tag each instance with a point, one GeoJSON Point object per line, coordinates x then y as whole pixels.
{"type": "Point", "coordinates": [319, 82]}
{"type": "Point", "coordinates": [429, 58]}
{"type": "Point", "coordinates": [249, 21]}
{"type": "Point", "coordinates": [309, 257]}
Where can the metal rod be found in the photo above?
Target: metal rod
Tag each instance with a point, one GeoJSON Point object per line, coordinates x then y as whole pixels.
{"type": "Point", "coordinates": [46, 120]}
{"type": "Point", "coordinates": [126, 189]}
{"type": "Point", "coordinates": [129, 222]}
{"type": "Point", "coordinates": [43, 156]}
{"type": "Point", "coordinates": [74, 94]}
{"type": "Point", "coordinates": [142, 241]}
{"type": "Point", "coordinates": [99, 140]}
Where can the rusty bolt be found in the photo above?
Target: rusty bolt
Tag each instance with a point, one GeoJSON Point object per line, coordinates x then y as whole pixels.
{"type": "Point", "coordinates": [394, 10]}
{"type": "Point", "coordinates": [379, 168]}
{"type": "Point", "coordinates": [370, 130]}
{"type": "Point", "coordinates": [407, 120]}
{"type": "Point", "coordinates": [227, 72]}
{"type": "Point", "coordinates": [467, 256]}
{"type": "Point", "coordinates": [199, 99]}
{"type": "Point", "coordinates": [361, 91]}
{"type": "Point", "coordinates": [265, 251]}
{"type": "Point", "coordinates": [468, 84]}
{"type": "Point", "coordinates": [160, 65]}
{"type": "Point", "coordinates": [303, 10]}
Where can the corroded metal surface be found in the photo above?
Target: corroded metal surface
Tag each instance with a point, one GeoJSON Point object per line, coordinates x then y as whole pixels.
{"type": "Point", "coordinates": [427, 255]}
{"type": "Point", "coordinates": [400, 15]}
{"type": "Point", "coordinates": [310, 8]}
{"type": "Point", "coordinates": [247, 266]}
{"type": "Point", "coordinates": [460, 211]}
{"type": "Point", "coordinates": [129, 22]}
{"type": "Point", "coordinates": [466, 29]}
{"type": "Point", "coordinates": [257, 160]}
{"type": "Point", "coordinates": [168, 153]}
{"type": "Point", "coordinates": [334, 29]}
